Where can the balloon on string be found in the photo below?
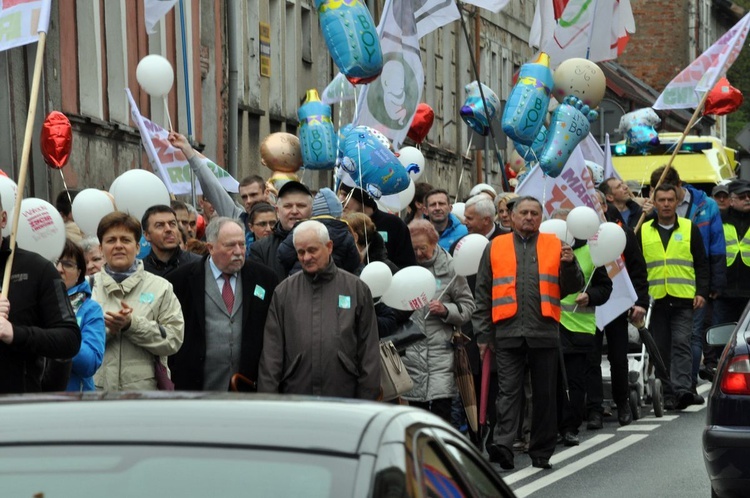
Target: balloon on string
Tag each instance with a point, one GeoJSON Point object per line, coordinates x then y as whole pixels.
{"type": "Point", "coordinates": [597, 171]}
{"type": "Point", "coordinates": [277, 180]}
{"type": "Point", "coordinates": [526, 109]}
{"type": "Point", "coordinates": [349, 32]}
{"type": "Point", "coordinates": [421, 124]}
{"type": "Point", "coordinates": [89, 207]}
{"type": "Point", "coordinates": [281, 152]}
{"type": "Point", "coordinates": [474, 112]}
{"type": "Point", "coordinates": [155, 75]}
{"type": "Point", "coordinates": [583, 222]}
{"type": "Point", "coordinates": [531, 153]}
{"type": "Point", "coordinates": [722, 99]}
{"type": "Point", "coordinates": [8, 193]}
{"type": "Point", "coordinates": [372, 165]}
{"type": "Point", "coordinates": [411, 289]}
{"type": "Point", "coordinates": [398, 202]}
{"type": "Point", "coordinates": [639, 129]}
{"type": "Point", "coordinates": [41, 229]}
{"type": "Point", "coordinates": [558, 228]}
{"type": "Point", "coordinates": [607, 243]}
{"type": "Point", "coordinates": [377, 275]}
{"type": "Point", "coordinates": [56, 140]}
{"type": "Point", "coordinates": [412, 159]}
{"type": "Point", "coordinates": [581, 78]}
{"type": "Point", "coordinates": [568, 127]}
{"type": "Point", "coordinates": [137, 190]}
{"type": "Point", "coordinates": [458, 209]}
{"type": "Point", "coordinates": [468, 253]}
{"type": "Point", "coordinates": [316, 135]}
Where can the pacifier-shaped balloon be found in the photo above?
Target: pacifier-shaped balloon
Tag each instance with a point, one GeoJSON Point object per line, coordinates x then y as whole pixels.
{"type": "Point", "coordinates": [474, 113]}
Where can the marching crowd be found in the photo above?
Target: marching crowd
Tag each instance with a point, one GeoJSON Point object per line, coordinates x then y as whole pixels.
{"type": "Point", "coordinates": [266, 296]}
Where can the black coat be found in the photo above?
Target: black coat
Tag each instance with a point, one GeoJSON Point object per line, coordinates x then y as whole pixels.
{"type": "Point", "coordinates": [397, 238]}
{"type": "Point", "coordinates": [189, 284]}
{"type": "Point", "coordinates": [345, 252]}
{"type": "Point", "coordinates": [633, 257]}
{"type": "Point", "coordinates": [44, 324]}
{"type": "Point", "coordinates": [265, 251]}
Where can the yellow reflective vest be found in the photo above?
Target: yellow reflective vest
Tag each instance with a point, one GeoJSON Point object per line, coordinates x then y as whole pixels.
{"type": "Point", "coordinates": [735, 246]}
{"type": "Point", "coordinates": [583, 320]}
{"type": "Point", "coordinates": [670, 272]}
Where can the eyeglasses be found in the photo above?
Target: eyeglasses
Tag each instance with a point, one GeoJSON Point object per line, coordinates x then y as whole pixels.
{"type": "Point", "coordinates": [67, 264]}
{"type": "Point", "coordinates": [265, 223]}
{"type": "Point", "coordinates": [743, 196]}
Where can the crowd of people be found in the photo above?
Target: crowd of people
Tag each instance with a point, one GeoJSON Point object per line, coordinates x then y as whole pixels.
{"type": "Point", "coordinates": [265, 295]}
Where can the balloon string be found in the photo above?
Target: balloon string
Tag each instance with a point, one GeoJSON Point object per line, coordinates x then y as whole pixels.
{"type": "Point", "coordinates": [336, 180]}
{"type": "Point", "coordinates": [169, 119]}
{"type": "Point", "coordinates": [66, 186]}
{"type": "Point", "coordinates": [359, 169]}
{"type": "Point", "coordinates": [585, 288]}
{"type": "Point", "coordinates": [444, 291]}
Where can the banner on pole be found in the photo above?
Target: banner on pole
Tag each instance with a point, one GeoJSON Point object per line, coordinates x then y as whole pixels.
{"type": "Point", "coordinates": [154, 10]}
{"type": "Point", "coordinates": [574, 187]}
{"type": "Point", "coordinates": [703, 73]}
{"type": "Point", "coordinates": [22, 21]}
{"type": "Point", "coordinates": [168, 162]}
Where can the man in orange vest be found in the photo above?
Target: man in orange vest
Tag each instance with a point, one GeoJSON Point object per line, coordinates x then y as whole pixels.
{"type": "Point", "coordinates": [522, 277]}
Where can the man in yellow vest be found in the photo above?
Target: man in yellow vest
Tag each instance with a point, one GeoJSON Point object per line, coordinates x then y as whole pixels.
{"type": "Point", "coordinates": [522, 278]}
{"type": "Point", "coordinates": [678, 280]}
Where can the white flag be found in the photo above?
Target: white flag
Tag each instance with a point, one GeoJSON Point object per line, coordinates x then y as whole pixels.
{"type": "Point", "coordinates": [493, 5]}
{"type": "Point", "coordinates": [154, 10]}
{"type": "Point", "coordinates": [703, 73]}
{"type": "Point", "coordinates": [609, 166]}
{"type": "Point", "coordinates": [168, 162]}
{"type": "Point", "coordinates": [429, 14]}
{"type": "Point", "coordinates": [388, 104]}
{"type": "Point", "coordinates": [597, 30]}
{"type": "Point", "coordinates": [21, 23]}
{"type": "Point", "coordinates": [338, 90]}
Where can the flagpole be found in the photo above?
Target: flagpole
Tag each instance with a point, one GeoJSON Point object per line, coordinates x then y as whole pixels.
{"type": "Point", "coordinates": [33, 101]}
{"type": "Point", "coordinates": [691, 123]}
{"type": "Point", "coordinates": [506, 185]}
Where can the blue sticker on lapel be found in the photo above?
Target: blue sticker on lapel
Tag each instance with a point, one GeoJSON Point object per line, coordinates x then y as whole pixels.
{"type": "Point", "coordinates": [678, 237]}
{"type": "Point", "coordinates": [260, 292]}
{"type": "Point", "coordinates": [147, 297]}
{"type": "Point", "coordinates": [384, 235]}
{"type": "Point", "coordinates": [438, 283]}
{"type": "Point", "coordinates": [345, 302]}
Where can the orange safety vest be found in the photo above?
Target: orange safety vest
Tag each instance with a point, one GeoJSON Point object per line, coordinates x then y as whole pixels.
{"type": "Point", "coordinates": [503, 260]}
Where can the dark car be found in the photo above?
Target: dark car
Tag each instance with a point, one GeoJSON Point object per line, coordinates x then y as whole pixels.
{"type": "Point", "coordinates": [161, 445]}
{"type": "Point", "coordinates": [726, 438]}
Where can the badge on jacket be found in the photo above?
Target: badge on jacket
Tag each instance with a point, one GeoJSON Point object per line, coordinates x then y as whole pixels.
{"type": "Point", "coordinates": [678, 237]}
{"type": "Point", "coordinates": [260, 292]}
{"type": "Point", "coordinates": [345, 302]}
{"type": "Point", "coordinates": [147, 297]}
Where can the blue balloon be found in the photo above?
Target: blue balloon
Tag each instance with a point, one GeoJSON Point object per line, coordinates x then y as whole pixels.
{"type": "Point", "coordinates": [642, 137]}
{"type": "Point", "coordinates": [372, 166]}
{"type": "Point", "coordinates": [474, 113]}
{"type": "Point", "coordinates": [569, 125]}
{"type": "Point", "coordinates": [349, 33]}
{"type": "Point", "coordinates": [527, 105]}
{"type": "Point", "coordinates": [531, 153]}
{"type": "Point", "coordinates": [316, 135]}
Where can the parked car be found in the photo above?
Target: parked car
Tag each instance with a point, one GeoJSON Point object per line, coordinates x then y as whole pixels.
{"type": "Point", "coordinates": [200, 444]}
{"type": "Point", "coordinates": [726, 438]}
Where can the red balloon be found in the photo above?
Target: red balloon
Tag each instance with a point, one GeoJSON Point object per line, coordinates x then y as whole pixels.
{"type": "Point", "coordinates": [723, 99]}
{"type": "Point", "coordinates": [57, 140]}
{"type": "Point", "coordinates": [509, 173]}
{"type": "Point", "coordinates": [200, 226]}
{"type": "Point", "coordinates": [421, 124]}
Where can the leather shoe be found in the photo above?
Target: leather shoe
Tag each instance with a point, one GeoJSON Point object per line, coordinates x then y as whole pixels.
{"type": "Point", "coordinates": [684, 399]}
{"type": "Point", "coordinates": [624, 414]}
{"type": "Point", "coordinates": [707, 373]}
{"type": "Point", "coordinates": [595, 421]}
{"type": "Point", "coordinates": [541, 463]}
{"type": "Point", "coordinates": [570, 439]}
{"type": "Point", "coordinates": [502, 455]}
{"type": "Point", "coordinates": [697, 398]}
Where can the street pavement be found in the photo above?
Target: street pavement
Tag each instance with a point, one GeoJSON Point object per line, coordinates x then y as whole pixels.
{"type": "Point", "coordinates": [651, 457]}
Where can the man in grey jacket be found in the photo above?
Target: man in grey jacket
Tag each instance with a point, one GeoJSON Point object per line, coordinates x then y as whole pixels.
{"type": "Point", "coordinates": [522, 277]}
{"type": "Point", "coordinates": [321, 334]}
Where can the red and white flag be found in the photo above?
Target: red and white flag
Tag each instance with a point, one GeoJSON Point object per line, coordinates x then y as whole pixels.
{"type": "Point", "coordinates": [154, 10]}
{"type": "Point", "coordinates": [21, 21]}
{"type": "Point", "coordinates": [703, 73]}
{"type": "Point", "coordinates": [576, 28]}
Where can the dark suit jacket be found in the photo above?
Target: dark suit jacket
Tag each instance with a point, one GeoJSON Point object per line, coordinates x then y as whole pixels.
{"type": "Point", "coordinates": [189, 284]}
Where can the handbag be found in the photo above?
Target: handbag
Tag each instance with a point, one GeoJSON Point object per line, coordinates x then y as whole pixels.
{"type": "Point", "coordinates": [163, 382]}
{"type": "Point", "coordinates": [406, 335]}
{"type": "Point", "coordinates": [394, 379]}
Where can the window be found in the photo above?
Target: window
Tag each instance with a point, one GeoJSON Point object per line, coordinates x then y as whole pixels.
{"type": "Point", "coordinates": [306, 35]}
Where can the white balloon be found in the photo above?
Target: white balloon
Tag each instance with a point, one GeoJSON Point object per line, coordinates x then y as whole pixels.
{"type": "Point", "coordinates": [559, 228]}
{"type": "Point", "coordinates": [607, 244]}
{"type": "Point", "coordinates": [89, 207]}
{"type": "Point", "coordinates": [8, 192]}
{"type": "Point", "coordinates": [412, 159]}
{"type": "Point", "coordinates": [137, 190]}
{"type": "Point", "coordinates": [411, 289]}
{"type": "Point", "coordinates": [41, 229]}
{"type": "Point", "coordinates": [377, 275]}
{"type": "Point", "coordinates": [397, 202]}
{"type": "Point", "coordinates": [468, 253]}
{"type": "Point", "coordinates": [583, 222]}
{"type": "Point", "coordinates": [155, 74]}
{"type": "Point", "coordinates": [458, 209]}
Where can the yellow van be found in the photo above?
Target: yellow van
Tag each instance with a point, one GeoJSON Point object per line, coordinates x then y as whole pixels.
{"type": "Point", "coordinates": [702, 161]}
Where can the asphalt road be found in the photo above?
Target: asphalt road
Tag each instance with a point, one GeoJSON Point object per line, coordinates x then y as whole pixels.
{"type": "Point", "coordinates": [651, 457]}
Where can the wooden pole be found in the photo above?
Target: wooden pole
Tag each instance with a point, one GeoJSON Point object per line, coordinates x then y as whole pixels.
{"type": "Point", "coordinates": [691, 123]}
{"type": "Point", "coordinates": [33, 100]}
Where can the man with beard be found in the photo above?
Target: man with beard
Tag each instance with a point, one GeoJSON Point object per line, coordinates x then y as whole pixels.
{"type": "Point", "coordinates": [160, 228]}
{"type": "Point", "coordinates": [224, 301]}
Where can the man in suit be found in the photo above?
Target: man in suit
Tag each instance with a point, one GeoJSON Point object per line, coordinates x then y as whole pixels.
{"type": "Point", "coordinates": [224, 301]}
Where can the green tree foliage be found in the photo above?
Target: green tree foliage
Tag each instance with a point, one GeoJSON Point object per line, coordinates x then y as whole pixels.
{"type": "Point", "coordinates": [739, 76]}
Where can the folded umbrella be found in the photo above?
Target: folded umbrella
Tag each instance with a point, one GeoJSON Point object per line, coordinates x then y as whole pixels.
{"type": "Point", "coordinates": [465, 380]}
{"type": "Point", "coordinates": [484, 394]}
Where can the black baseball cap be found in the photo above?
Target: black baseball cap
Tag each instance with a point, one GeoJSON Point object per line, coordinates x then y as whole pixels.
{"type": "Point", "coordinates": [293, 186]}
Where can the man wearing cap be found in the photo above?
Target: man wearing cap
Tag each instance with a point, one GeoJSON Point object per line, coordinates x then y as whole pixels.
{"type": "Point", "coordinates": [392, 228]}
{"type": "Point", "coordinates": [447, 224]}
{"type": "Point", "coordinates": [720, 194]}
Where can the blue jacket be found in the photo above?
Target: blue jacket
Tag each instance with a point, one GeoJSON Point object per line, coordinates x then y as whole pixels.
{"type": "Point", "coordinates": [704, 213]}
{"type": "Point", "coordinates": [454, 231]}
{"type": "Point", "coordinates": [89, 358]}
